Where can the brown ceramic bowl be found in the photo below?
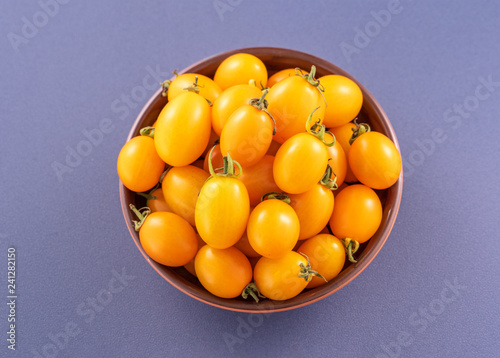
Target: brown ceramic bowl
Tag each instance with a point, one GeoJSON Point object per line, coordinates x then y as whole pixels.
{"type": "Point", "coordinates": [371, 112]}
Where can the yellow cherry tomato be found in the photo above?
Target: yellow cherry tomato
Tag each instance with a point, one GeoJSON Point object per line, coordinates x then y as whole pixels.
{"type": "Point", "coordinates": [223, 272]}
{"type": "Point", "coordinates": [290, 102]}
{"type": "Point", "coordinates": [357, 213]}
{"type": "Point", "coordinates": [247, 135]}
{"type": "Point", "coordinates": [279, 279]}
{"type": "Point", "coordinates": [239, 69]}
{"type": "Point", "coordinates": [313, 208]}
{"type": "Point", "coordinates": [180, 187]}
{"type": "Point", "coordinates": [375, 160]}
{"type": "Point", "coordinates": [230, 100]}
{"type": "Point", "coordinates": [222, 211]}
{"type": "Point", "coordinates": [300, 163]}
{"type": "Point", "coordinates": [326, 254]}
{"type": "Point", "coordinates": [207, 88]}
{"type": "Point", "coordinates": [344, 100]}
{"type": "Point", "coordinates": [168, 239]}
{"type": "Point", "coordinates": [139, 166]}
{"type": "Point", "coordinates": [273, 228]}
{"type": "Point", "coordinates": [183, 129]}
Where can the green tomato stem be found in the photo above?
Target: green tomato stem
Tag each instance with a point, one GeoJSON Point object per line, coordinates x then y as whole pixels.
{"type": "Point", "coordinates": [351, 246]}
{"type": "Point", "coordinates": [252, 290]}
{"type": "Point", "coordinates": [141, 214]}
{"type": "Point", "coordinates": [147, 196]}
{"type": "Point", "coordinates": [276, 195]}
{"type": "Point", "coordinates": [227, 170]}
{"type": "Point", "coordinates": [147, 132]}
{"type": "Point", "coordinates": [313, 81]}
{"type": "Point", "coordinates": [306, 272]}
{"type": "Point", "coordinates": [261, 104]}
{"type": "Point", "coordinates": [327, 180]}
{"type": "Point", "coordinates": [318, 130]}
{"type": "Point", "coordinates": [360, 129]}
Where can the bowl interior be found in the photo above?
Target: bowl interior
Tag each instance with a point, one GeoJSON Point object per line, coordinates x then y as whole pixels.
{"type": "Point", "coordinates": [275, 59]}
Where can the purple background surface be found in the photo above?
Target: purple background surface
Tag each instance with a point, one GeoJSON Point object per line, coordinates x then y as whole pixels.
{"type": "Point", "coordinates": [67, 70]}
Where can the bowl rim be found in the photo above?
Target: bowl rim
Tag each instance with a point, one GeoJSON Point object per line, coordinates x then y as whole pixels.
{"type": "Point", "coordinates": [357, 268]}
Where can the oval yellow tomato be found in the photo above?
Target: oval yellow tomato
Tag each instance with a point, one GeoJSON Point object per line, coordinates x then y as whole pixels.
{"type": "Point", "coordinates": [247, 135]}
{"type": "Point", "coordinates": [300, 163]}
{"type": "Point", "coordinates": [222, 211]}
{"type": "Point", "coordinates": [326, 254]}
{"type": "Point", "coordinates": [375, 160]}
{"type": "Point", "coordinates": [181, 186]}
{"type": "Point", "coordinates": [223, 272]}
{"type": "Point", "coordinates": [183, 129]}
{"type": "Point", "coordinates": [139, 166]}
{"type": "Point", "coordinates": [278, 279]}
{"type": "Point", "coordinates": [291, 101]}
{"type": "Point", "coordinates": [314, 209]}
{"type": "Point", "coordinates": [357, 213]}
{"type": "Point", "coordinates": [343, 97]}
{"type": "Point", "coordinates": [168, 239]}
{"type": "Point", "coordinates": [239, 69]}
{"type": "Point", "coordinates": [273, 228]}
{"type": "Point", "coordinates": [207, 87]}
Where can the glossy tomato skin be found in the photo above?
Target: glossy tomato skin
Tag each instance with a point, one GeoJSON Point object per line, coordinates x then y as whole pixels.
{"type": "Point", "coordinates": [230, 100]}
{"type": "Point", "coordinates": [206, 86]}
{"type": "Point", "coordinates": [139, 166]}
{"type": "Point", "coordinates": [343, 97]}
{"type": "Point", "coordinates": [281, 75]}
{"type": "Point", "coordinates": [375, 160]}
{"type": "Point", "coordinates": [357, 213]}
{"type": "Point", "coordinates": [313, 208]}
{"type": "Point", "coordinates": [239, 69]}
{"type": "Point", "coordinates": [300, 163]}
{"type": "Point", "coordinates": [326, 255]}
{"type": "Point", "coordinates": [222, 211]}
{"type": "Point", "coordinates": [168, 239]}
{"type": "Point", "coordinates": [223, 272]}
{"type": "Point", "coordinates": [183, 129]}
{"type": "Point", "coordinates": [336, 159]}
{"type": "Point", "coordinates": [259, 179]}
{"type": "Point", "coordinates": [273, 228]}
{"type": "Point", "coordinates": [247, 135]}
{"type": "Point", "coordinates": [180, 187]}
{"type": "Point", "coordinates": [291, 101]}
{"type": "Point", "coordinates": [157, 201]}
{"type": "Point", "coordinates": [278, 279]}
{"type": "Point", "coordinates": [190, 265]}
{"type": "Point", "coordinates": [342, 135]}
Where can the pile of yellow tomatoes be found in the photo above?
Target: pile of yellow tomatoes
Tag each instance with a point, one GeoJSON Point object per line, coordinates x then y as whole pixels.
{"type": "Point", "coordinates": [258, 185]}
